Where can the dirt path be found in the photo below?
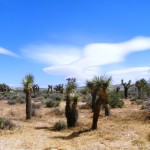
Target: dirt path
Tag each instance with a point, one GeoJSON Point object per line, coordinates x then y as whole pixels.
{"type": "Point", "coordinates": [125, 129]}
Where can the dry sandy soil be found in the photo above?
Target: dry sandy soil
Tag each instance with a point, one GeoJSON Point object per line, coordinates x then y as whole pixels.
{"type": "Point", "coordinates": [126, 129]}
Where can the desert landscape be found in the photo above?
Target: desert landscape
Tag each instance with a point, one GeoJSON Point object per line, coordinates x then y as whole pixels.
{"type": "Point", "coordinates": [75, 75]}
{"type": "Point", "coordinates": [126, 128]}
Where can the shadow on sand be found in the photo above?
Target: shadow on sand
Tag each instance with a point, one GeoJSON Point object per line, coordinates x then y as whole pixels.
{"type": "Point", "coordinates": [72, 135]}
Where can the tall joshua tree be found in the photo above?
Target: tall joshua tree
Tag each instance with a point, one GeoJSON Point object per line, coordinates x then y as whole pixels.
{"type": "Point", "coordinates": [27, 84]}
{"type": "Point", "coordinates": [101, 84]}
{"type": "Point", "coordinates": [141, 85]}
{"type": "Point", "coordinates": [71, 105]}
{"type": "Point", "coordinates": [126, 87]}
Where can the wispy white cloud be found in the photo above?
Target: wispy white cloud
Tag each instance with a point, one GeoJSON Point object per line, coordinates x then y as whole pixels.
{"type": "Point", "coordinates": [84, 62]}
{"type": "Point", "coordinates": [133, 73]}
{"type": "Point", "coordinates": [7, 52]}
{"type": "Point", "coordinates": [52, 54]}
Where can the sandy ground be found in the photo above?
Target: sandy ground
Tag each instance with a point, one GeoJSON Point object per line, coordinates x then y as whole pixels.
{"type": "Point", "coordinates": [126, 129]}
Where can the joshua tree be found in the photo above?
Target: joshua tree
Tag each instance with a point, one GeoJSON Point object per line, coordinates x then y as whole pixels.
{"type": "Point", "coordinates": [71, 105]}
{"type": "Point", "coordinates": [35, 88]}
{"type": "Point", "coordinates": [59, 88]}
{"type": "Point", "coordinates": [101, 84]}
{"type": "Point", "coordinates": [27, 84]}
{"type": "Point", "coordinates": [141, 86]}
{"type": "Point", "coordinates": [50, 87]}
{"type": "Point", "coordinates": [126, 87]}
{"type": "Point", "coordinates": [71, 79]}
{"type": "Point", "coordinates": [93, 91]}
{"type": "Point", "coordinates": [118, 89]}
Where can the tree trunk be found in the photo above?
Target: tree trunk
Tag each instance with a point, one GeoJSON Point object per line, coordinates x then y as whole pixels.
{"type": "Point", "coordinates": [126, 93]}
{"type": "Point", "coordinates": [74, 114]}
{"type": "Point", "coordinates": [96, 114]}
{"type": "Point", "coordinates": [93, 101]}
{"type": "Point", "coordinates": [68, 111]}
{"type": "Point", "coordinates": [139, 93]}
{"type": "Point", "coordinates": [28, 106]}
{"type": "Point", "coordinates": [107, 109]}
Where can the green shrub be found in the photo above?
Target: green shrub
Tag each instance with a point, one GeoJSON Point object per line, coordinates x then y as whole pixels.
{"type": "Point", "coordinates": [58, 112]}
{"type": "Point", "coordinates": [60, 125]}
{"type": "Point", "coordinates": [85, 106]}
{"type": "Point", "coordinates": [33, 95]}
{"type": "Point", "coordinates": [21, 101]}
{"type": "Point", "coordinates": [6, 124]}
{"type": "Point", "coordinates": [83, 91]}
{"type": "Point", "coordinates": [55, 96]}
{"type": "Point", "coordinates": [46, 95]}
{"type": "Point", "coordinates": [12, 102]}
{"type": "Point", "coordinates": [52, 103]}
{"type": "Point", "coordinates": [36, 113]}
{"type": "Point", "coordinates": [88, 99]}
{"type": "Point", "coordinates": [36, 106]}
{"type": "Point", "coordinates": [115, 100]}
{"type": "Point", "coordinates": [1, 97]}
{"type": "Point", "coordinates": [136, 101]}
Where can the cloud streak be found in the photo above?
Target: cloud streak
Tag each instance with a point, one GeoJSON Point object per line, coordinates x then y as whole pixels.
{"type": "Point", "coordinates": [85, 62]}
{"type": "Point", "coordinates": [7, 52]}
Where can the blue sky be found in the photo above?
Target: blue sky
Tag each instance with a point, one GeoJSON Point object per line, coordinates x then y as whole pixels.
{"type": "Point", "coordinates": [56, 39]}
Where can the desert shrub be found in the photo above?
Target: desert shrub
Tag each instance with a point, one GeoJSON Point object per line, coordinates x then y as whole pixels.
{"type": "Point", "coordinates": [21, 101]}
{"type": "Point", "coordinates": [1, 97]}
{"type": "Point", "coordinates": [36, 106]}
{"type": "Point", "coordinates": [88, 99]}
{"type": "Point", "coordinates": [60, 125]}
{"type": "Point", "coordinates": [33, 95]}
{"type": "Point", "coordinates": [137, 101]}
{"type": "Point", "coordinates": [46, 95]}
{"type": "Point", "coordinates": [6, 124]}
{"type": "Point", "coordinates": [58, 112]}
{"type": "Point", "coordinates": [147, 105]}
{"type": "Point", "coordinates": [52, 103]}
{"type": "Point", "coordinates": [55, 96]}
{"type": "Point", "coordinates": [85, 106]}
{"type": "Point", "coordinates": [36, 113]}
{"type": "Point", "coordinates": [133, 99]}
{"type": "Point", "coordinates": [12, 102]}
{"type": "Point", "coordinates": [115, 100]}
{"type": "Point", "coordinates": [83, 91]}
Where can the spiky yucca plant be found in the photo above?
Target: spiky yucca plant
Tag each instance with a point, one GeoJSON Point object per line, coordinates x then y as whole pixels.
{"type": "Point", "coordinates": [101, 84]}
{"type": "Point", "coordinates": [27, 82]}
{"type": "Point", "coordinates": [71, 105]}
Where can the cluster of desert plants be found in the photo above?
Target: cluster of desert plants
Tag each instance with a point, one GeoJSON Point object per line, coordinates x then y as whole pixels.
{"type": "Point", "coordinates": [71, 103]}
{"type": "Point", "coordinates": [6, 124]}
{"type": "Point", "coordinates": [4, 87]}
{"type": "Point", "coordinates": [96, 95]}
